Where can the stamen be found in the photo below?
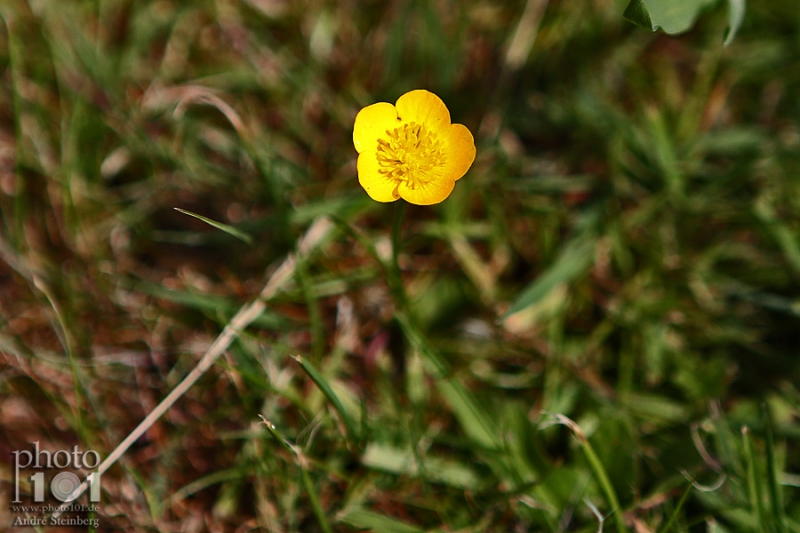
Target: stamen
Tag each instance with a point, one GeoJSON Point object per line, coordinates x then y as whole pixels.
{"type": "Point", "coordinates": [411, 154]}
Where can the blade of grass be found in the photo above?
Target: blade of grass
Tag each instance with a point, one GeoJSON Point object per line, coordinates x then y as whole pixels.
{"type": "Point", "coordinates": [573, 261]}
{"type": "Point", "coordinates": [403, 461]}
{"type": "Point", "coordinates": [315, 503]}
{"type": "Point", "coordinates": [473, 418]}
{"type": "Point", "coordinates": [599, 471]}
{"type": "Point", "coordinates": [314, 313]}
{"type": "Point", "coordinates": [605, 483]}
{"type": "Point", "coordinates": [21, 157]}
{"type": "Point", "coordinates": [775, 492]}
{"type": "Point", "coordinates": [307, 483]}
{"type": "Point", "coordinates": [230, 230]}
{"type": "Point", "coordinates": [753, 487]}
{"type": "Point", "coordinates": [664, 152]}
{"type": "Point", "coordinates": [676, 513]}
{"type": "Point", "coordinates": [209, 303]}
{"type": "Point", "coordinates": [362, 519]}
{"type": "Point", "coordinates": [204, 482]}
{"type": "Point", "coordinates": [349, 424]}
{"type": "Point", "coordinates": [69, 346]}
{"type": "Point", "coordinates": [780, 232]}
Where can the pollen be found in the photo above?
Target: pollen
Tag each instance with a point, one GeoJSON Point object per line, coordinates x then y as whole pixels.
{"type": "Point", "coordinates": [410, 154]}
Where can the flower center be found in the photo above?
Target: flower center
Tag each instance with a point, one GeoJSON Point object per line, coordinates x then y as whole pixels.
{"type": "Point", "coordinates": [411, 154]}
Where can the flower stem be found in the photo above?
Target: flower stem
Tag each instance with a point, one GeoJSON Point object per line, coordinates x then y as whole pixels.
{"type": "Point", "coordinates": [395, 279]}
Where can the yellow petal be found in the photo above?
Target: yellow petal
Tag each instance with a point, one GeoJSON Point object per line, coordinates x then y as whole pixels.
{"type": "Point", "coordinates": [378, 187]}
{"type": "Point", "coordinates": [423, 107]}
{"type": "Point", "coordinates": [430, 193]}
{"type": "Point", "coordinates": [460, 149]}
{"type": "Point", "coordinates": [372, 123]}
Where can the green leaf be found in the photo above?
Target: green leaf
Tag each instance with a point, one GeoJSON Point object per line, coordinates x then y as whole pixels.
{"type": "Point", "coordinates": [672, 16]}
{"type": "Point", "coordinates": [313, 497]}
{"type": "Point", "coordinates": [775, 493]}
{"type": "Point", "coordinates": [219, 225]}
{"type": "Point", "coordinates": [597, 468]}
{"type": "Point", "coordinates": [403, 461]}
{"type": "Point", "coordinates": [210, 303]}
{"type": "Point", "coordinates": [674, 516]}
{"type": "Point", "coordinates": [474, 419]}
{"type": "Point", "coordinates": [573, 261]}
{"type": "Point", "coordinates": [637, 13]}
{"type": "Point", "coordinates": [655, 408]}
{"type": "Point", "coordinates": [322, 383]}
{"type": "Point", "coordinates": [362, 519]}
{"type": "Point", "coordinates": [735, 19]}
{"type": "Point", "coordinates": [753, 483]}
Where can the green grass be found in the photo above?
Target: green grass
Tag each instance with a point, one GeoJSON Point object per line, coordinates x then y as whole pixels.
{"type": "Point", "coordinates": [599, 328]}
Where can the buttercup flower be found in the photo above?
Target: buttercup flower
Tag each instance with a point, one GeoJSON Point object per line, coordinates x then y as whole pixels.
{"type": "Point", "coordinates": [410, 150]}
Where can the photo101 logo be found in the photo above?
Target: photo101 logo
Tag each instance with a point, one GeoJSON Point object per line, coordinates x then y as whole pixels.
{"type": "Point", "coordinates": [31, 465]}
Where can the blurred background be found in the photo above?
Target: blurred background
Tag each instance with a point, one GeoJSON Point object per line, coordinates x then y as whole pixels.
{"type": "Point", "coordinates": [612, 290]}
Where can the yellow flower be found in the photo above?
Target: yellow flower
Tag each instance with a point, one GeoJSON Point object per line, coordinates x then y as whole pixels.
{"type": "Point", "coordinates": [411, 150]}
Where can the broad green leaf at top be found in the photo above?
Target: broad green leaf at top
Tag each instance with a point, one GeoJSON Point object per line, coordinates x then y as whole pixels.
{"type": "Point", "coordinates": [678, 16]}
